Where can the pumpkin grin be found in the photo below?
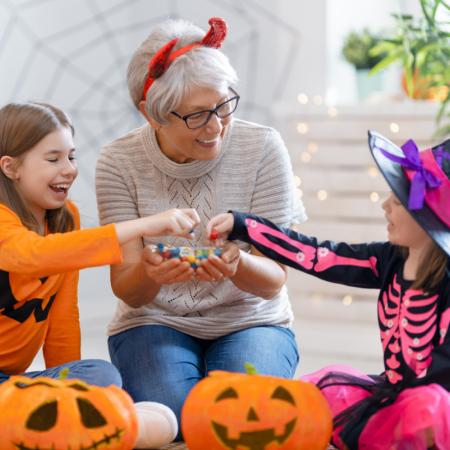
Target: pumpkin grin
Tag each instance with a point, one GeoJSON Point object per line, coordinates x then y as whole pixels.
{"type": "Point", "coordinates": [253, 440]}
{"type": "Point", "coordinates": [235, 411]}
{"type": "Point", "coordinates": [107, 439]}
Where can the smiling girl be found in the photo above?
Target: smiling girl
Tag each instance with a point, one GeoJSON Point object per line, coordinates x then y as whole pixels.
{"type": "Point", "coordinates": [42, 248]}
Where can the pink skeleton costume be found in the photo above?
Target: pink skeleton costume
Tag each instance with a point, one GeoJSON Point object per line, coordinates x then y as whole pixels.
{"type": "Point", "coordinates": [408, 405]}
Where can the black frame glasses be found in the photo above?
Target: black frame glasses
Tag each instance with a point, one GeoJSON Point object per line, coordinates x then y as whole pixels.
{"type": "Point", "coordinates": [217, 111]}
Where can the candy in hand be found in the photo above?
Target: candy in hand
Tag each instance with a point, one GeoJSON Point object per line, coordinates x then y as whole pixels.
{"type": "Point", "coordinates": [192, 255]}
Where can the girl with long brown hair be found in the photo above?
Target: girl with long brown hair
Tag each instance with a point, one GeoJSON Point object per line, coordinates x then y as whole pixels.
{"type": "Point", "coordinates": [42, 248]}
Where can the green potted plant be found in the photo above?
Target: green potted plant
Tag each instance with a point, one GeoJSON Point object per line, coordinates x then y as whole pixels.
{"type": "Point", "coordinates": [422, 47]}
{"type": "Point", "coordinates": [356, 51]}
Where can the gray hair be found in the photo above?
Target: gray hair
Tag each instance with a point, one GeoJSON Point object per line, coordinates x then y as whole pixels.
{"type": "Point", "coordinates": [201, 67]}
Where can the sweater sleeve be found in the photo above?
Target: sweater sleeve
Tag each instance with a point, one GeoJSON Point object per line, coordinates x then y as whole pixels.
{"type": "Point", "coordinates": [62, 342]}
{"type": "Point", "coordinates": [356, 265]}
{"type": "Point", "coordinates": [26, 252]}
{"type": "Point", "coordinates": [114, 200]}
{"type": "Point", "coordinates": [273, 194]}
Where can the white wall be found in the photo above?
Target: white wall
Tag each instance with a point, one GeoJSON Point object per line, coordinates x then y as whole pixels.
{"type": "Point", "coordinates": [74, 53]}
{"type": "Point", "coordinates": [343, 16]}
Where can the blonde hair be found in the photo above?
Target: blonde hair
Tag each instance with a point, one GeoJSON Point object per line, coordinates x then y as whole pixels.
{"type": "Point", "coordinates": [22, 126]}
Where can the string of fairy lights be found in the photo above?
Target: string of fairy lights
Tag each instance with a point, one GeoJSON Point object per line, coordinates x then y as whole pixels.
{"type": "Point", "coordinates": [306, 156]}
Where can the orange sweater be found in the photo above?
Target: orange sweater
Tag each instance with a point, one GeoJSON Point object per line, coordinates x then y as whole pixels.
{"type": "Point", "coordinates": [38, 288]}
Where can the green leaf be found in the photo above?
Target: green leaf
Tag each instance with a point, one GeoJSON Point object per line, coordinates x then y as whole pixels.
{"type": "Point", "coordinates": [409, 70]}
{"type": "Point", "coordinates": [385, 62]}
{"type": "Point", "coordinates": [421, 58]}
{"type": "Point", "coordinates": [404, 17]}
{"type": "Point", "coordinates": [250, 369]}
{"type": "Point", "coordinates": [63, 373]}
{"type": "Point", "coordinates": [383, 47]}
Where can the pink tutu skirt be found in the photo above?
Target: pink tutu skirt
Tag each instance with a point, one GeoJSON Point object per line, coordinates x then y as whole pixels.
{"type": "Point", "coordinates": [418, 419]}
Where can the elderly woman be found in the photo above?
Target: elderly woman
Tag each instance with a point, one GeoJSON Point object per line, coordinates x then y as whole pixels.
{"type": "Point", "coordinates": [174, 324]}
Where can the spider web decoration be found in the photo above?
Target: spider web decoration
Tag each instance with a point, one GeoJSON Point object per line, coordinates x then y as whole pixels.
{"type": "Point", "coordinates": [74, 53]}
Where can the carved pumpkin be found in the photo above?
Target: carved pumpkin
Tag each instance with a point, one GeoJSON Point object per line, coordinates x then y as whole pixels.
{"type": "Point", "coordinates": [255, 412]}
{"type": "Point", "coordinates": [44, 413]}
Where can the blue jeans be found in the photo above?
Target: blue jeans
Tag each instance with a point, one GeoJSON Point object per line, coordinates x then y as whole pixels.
{"type": "Point", "coordinates": [92, 371]}
{"type": "Point", "coordinates": [160, 364]}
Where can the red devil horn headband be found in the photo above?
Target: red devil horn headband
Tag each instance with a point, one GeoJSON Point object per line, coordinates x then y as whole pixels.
{"type": "Point", "coordinates": [216, 33]}
{"type": "Point", "coordinates": [164, 57]}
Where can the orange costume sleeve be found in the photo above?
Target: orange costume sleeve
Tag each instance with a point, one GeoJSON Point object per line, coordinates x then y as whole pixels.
{"type": "Point", "coordinates": [26, 252]}
{"type": "Point", "coordinates": [38, 288]}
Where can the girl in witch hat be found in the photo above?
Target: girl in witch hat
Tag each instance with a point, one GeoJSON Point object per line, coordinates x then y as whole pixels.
{"type": "Point", "coordinates": [408, 405]}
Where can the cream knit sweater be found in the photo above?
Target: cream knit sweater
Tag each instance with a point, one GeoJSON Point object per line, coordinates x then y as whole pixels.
{"type": "Point", "coordinates": [252, 174]}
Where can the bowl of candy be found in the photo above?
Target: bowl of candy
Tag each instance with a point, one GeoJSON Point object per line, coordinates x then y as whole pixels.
{"type": "Point", "coordinates": [193, 256]}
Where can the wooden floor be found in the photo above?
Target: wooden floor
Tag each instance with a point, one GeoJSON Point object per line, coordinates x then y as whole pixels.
{"type": "Point", "coordinates": [182, 446]}
{"type": "Point", "coordinates": [175, 446]}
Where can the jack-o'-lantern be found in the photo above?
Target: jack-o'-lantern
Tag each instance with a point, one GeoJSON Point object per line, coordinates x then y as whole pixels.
{"type": "Point", "coordinates": [255, 412]}
{"type": "Point", "coordinates": [44, 413]}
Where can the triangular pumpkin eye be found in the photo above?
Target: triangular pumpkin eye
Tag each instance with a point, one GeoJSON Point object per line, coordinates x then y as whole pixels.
{"type": "Point", "coordinates": [90, 415]}
{"type": "Point", "coordinates": [22, 385]}
{"type": "Point", "coordinates": [281, 393]}
{"type": "Point", "coordinates": [227, 393]}
{"type": "Point", "coordinates": [43, 417]}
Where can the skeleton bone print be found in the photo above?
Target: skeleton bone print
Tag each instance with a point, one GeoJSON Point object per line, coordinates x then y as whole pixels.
{"type": "Point", "coordinates": [408, 323]}
{"type": "Point", "coordinates": [413, 324]}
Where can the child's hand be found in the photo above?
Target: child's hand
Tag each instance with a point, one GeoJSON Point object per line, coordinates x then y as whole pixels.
{"type": "Point", "coordinates": [174, 222]}
{"type": "Point", "coordinates": [220, 226]}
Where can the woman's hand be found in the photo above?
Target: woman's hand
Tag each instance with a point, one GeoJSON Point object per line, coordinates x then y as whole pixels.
{"type": "Point", "coordinates": [174, 222]}
{"type": "Point", "coordinates": [217, 268]}
{"type": "Point", "coordinates": [220, 226]}
{"type": "Point", "coordinates": [162, 271]}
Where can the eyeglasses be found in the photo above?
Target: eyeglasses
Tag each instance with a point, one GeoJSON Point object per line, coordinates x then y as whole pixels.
{"type": "Point", "coordinates": [201, 118]}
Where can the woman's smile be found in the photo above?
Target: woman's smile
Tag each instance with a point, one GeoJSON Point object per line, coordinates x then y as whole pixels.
{"type": "Point", "coordinates": [209, 143]}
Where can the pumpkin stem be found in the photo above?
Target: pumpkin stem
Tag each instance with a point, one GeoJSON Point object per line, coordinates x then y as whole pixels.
{"type": "Point", "coordinates": [250, 369]}
{"type": "Point", "coordinates": [63, 373]}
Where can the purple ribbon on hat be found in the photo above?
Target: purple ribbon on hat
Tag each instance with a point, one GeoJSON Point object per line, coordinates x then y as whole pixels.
{"type": "Point", "coordinates": [422, 181]}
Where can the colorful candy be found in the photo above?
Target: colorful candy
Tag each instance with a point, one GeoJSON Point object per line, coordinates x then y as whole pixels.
{"type": "Point", "coordinates": [192, 255]}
